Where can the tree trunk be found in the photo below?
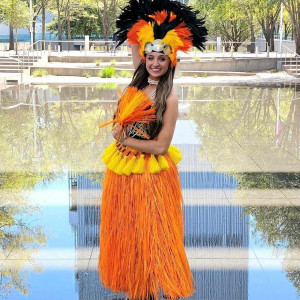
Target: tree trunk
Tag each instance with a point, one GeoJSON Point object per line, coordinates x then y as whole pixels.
{"type": "Point", "coordinates": [293, 8]}
{"type": "Point", "coordinates": [33, 28]}
{"type": "Point", "coordinates": [297, 41]}
{"type": "Point", "coordinates": [272, 43]}
{"type": "Point", "coordinates": [109, 11]}
{"type": "Point", "coordinates": [43, 23]}
{"type": "Point", "coordinates": [11, 38]}
{"type": "Point", "coordinates": [68, 24]}
{"type": "Point", "coordinates": [268, 38]}
{"type": "Point", "coordinates": [58, 21]}
{"type": "Point", "coordinates": [16, 40]}
{"type": "Point", "coordinates": [252, 46]}
{"type": "Point", "coordinates": [268, 26]}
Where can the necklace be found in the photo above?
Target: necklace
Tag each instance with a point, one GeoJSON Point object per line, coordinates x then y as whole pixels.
{"type": "Point", "coordinates": [151, 81]}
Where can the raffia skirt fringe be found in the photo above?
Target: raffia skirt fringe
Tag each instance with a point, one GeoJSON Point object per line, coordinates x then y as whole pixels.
{"type": "Point", "coordinates": [141, 236]}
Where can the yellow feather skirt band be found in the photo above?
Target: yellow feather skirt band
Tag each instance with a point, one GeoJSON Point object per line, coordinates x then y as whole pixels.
{"type": "Point", "coordinates": [126, 161]}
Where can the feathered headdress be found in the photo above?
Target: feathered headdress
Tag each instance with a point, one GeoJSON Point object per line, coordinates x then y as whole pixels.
{"type": "Point", "coordinates": [162, 26]}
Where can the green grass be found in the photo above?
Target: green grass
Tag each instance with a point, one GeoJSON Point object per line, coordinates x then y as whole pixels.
{"type": "Point", "coordinates": [107, 86]}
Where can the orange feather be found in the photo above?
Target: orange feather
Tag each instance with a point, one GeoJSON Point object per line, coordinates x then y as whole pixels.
{"type": "Point", "coordinates": [133, 106]}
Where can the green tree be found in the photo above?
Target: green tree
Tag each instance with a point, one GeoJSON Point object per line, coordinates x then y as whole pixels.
{"type": "Point", "coordinates": [293, 7]}
{"type": "Point", "coordinates": [82, 21]}
{"type": "Point", "coordinates": [108, 11]}
{"type": "Point", "coordinates": [267, 13]}
{"type": "Point", "coordinates": [226, 19]}
{"type": "Point", "coordinates": [16, 14]}
{"type": "Point", "coordinates": [287, 26]}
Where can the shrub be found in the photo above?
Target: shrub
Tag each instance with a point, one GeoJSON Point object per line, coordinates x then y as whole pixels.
{"type": "Point", "coordinates": [107, 72]}
{"type": "Point", "coordinates": [86, 74]}
{"type": "Point", "coordinates": [113, 62]}
{"type": "Point", "coordinates": [205, 75]}
{"type": "Point", "coordinates": [98, 62]}
{"type": "Point", "coordinates": [125, 73]}
{"type": "Point", "coordinates": [39, 73]}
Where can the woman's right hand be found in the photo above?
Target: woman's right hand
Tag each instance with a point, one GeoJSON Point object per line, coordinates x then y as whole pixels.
{"type": "Point", "coordinates": [119, 133]}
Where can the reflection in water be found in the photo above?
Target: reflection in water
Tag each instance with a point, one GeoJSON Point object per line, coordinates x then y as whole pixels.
{"type": "Point", "coordinates": [19, 240]}
{"type": "Point", "coordinates": [256, 142]}
{"type": "Point", "coordinates": [206, 228]}
{"type": "Point", "coordinates": [278, 226]}
{"type": "Point", "coordinates": [266, 119]}
{"type": "Point", "coordinates": [249, 142]}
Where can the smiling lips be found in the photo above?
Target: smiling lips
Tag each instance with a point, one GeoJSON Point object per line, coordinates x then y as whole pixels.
{"type": "Point", "coordinates": [155, 70]}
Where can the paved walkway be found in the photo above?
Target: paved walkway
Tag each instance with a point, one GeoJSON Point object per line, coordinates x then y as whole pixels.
{"type": "Point", "coordinates": [258, 79]}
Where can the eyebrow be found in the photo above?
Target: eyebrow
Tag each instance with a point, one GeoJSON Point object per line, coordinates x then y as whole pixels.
{"type": "Point", "coordinates": [161, 56]}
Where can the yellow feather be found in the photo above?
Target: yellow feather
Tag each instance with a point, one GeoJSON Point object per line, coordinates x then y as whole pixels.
{"type": "Point", "coordinates": [174, 154]}
{"type": "Point", "coordinates": [139, 167]}
{"type": "Point", "coordinates": [114, 161]}
{"type": "Point", "coordinates": [153, 166]}
{"type": "Point", "coordinates": [163, 162]}
{"type": "Point", "coordinates": [108, 153]}
{"type": "Point", "coordinates": [129, 166]}
{"type": "Point", "coordinates": [172, 39]}
{"type": "Point", "coordinates": [121, 165]}
{"type": "Point", "coordinates": [145, 35]}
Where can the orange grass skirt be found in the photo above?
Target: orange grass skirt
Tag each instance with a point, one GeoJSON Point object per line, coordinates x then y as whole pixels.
{"type": "Point", "coordinates": [141, 236]}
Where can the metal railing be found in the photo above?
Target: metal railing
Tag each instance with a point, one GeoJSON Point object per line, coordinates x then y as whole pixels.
{"type": "Point", "coordinates": [292, 56]}
{"type": "Point", "coordinates": [230, 48]}
{"type": "Point", "coordinates": [20, 67]}
{"type": "Point", "coordinates": [43, 48]}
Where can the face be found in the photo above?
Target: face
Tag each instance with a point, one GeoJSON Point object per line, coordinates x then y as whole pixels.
{"type": "Point", "coordinates": [157, 64]}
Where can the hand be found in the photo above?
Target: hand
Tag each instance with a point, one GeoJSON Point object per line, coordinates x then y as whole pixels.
{"type": "Point", "coordinates": [119, 133]}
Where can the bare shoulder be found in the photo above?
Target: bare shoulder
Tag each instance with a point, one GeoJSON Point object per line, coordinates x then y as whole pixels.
{"type": "Point", "coordinates": [172, 98]}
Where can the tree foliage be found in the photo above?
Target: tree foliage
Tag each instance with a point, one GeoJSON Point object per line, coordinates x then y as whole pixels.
{"type": "Point", "coordinates": [86, 17]}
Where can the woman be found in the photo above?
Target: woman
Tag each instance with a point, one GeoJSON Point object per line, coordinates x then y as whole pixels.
{"type": "Point", "coordinates": [141, 234]}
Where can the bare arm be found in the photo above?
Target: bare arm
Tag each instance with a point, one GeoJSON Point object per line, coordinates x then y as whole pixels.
{"type": "Point", "coordinates": [136, 59]}
{"type": "Point", "coordinates": [161, 144]}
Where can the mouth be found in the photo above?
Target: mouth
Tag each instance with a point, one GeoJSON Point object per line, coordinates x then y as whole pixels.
{"type": "Point", "coordinates": [155, 70]}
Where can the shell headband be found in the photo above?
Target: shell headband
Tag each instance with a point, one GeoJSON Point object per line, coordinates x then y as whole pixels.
{"type": "Point", "coordinates": [162, 26]}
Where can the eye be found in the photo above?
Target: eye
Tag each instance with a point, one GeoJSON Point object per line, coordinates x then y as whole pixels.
{"type": "Point", "coordinates": [162, 59]}
{"type": "Point", "coordinates": [150, 57]}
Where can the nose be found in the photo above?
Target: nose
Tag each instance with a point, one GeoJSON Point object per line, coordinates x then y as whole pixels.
{"type": "Point", "coordinates": [155, 62]}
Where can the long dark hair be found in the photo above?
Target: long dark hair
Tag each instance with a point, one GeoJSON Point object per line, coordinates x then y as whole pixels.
{"type": "Point", "coordinates": [163, 90]}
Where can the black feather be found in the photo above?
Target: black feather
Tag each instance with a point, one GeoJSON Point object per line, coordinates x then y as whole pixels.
{"type": "Point", "coordinates": [141, 9]}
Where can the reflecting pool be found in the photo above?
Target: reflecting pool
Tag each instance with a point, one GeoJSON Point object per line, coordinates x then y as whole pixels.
{"type": "Point", "coordinates": [240, 178]}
